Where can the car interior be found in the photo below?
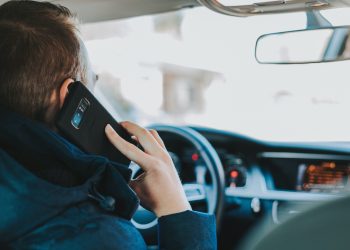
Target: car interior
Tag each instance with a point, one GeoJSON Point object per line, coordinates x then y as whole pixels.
{"type": "Point", "coordinates": [251, 99]}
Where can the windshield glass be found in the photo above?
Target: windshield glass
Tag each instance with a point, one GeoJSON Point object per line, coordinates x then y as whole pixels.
{"type": "Point", "coordinates": [196, 67]}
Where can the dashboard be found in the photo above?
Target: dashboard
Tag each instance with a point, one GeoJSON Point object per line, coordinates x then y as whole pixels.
{"type": "Point", "coordinates": [312, 173]}
{"type": "Point", "coordinates": [265, 179]}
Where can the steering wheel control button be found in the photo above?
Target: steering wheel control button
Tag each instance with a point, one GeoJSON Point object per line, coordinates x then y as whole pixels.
{"type": "Point", "coordinates": [194, 192]}
{"type": "Point", "coordinates": [255, 205]}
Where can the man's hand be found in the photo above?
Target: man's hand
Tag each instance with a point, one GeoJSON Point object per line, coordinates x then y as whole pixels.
{"type": "Point", "coordinates": [159, 187]}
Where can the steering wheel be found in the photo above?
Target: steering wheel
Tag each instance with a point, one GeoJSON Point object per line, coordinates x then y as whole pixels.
{"type": "Point", "coordinates": [212, 193]}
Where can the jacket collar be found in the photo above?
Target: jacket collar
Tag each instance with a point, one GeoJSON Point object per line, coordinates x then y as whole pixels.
{"type": "Point", "coordinates": [25, 141]}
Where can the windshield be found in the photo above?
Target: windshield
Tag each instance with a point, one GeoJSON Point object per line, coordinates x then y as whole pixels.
{"type": "Point", "coordinates": [196, 67]}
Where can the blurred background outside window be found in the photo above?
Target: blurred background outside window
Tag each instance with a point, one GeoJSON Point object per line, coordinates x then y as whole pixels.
{"type": "Point", "coordinates": [196, 67]}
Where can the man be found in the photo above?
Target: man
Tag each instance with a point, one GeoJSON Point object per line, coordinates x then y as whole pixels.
{"type": "Point", "coordinates": [54, 196]}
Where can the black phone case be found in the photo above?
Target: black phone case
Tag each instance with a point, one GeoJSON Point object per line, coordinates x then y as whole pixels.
{"type": "Point", "coordinates": [90, 135]}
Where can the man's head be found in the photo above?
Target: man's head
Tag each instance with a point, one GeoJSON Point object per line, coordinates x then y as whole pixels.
{"type": "Point", "coordinates": [40, 54]}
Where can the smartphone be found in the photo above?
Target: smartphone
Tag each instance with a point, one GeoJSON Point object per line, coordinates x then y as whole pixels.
{"type": "Point", "coordinates": [82, 120]}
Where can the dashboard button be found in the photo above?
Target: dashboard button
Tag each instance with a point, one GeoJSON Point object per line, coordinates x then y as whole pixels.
{"type": "Point", "coordinates": [255, 205]}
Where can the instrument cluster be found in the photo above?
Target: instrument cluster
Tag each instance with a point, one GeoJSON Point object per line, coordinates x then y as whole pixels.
{"type": "Point", "coordinates": [189, 161]}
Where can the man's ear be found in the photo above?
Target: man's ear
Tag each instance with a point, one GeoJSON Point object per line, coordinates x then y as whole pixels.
{"type": "Point", "coordinates": [64, 90]}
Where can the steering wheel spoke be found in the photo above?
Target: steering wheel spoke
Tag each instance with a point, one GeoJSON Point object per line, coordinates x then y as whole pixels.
{"type": "Point", "coordinates": [195, 192]}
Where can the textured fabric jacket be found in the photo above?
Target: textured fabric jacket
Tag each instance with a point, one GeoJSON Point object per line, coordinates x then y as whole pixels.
{"type": "Point", "coordinates": [37, 212]}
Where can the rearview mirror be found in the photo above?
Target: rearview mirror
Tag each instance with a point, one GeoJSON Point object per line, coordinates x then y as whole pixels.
{"type": "Point", "coordinates": [304, 46]}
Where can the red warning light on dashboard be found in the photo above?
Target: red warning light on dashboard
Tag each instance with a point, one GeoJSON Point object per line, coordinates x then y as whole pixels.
{"type": "Point", "coordinates": [234, 174]}
{"type": "Point", "coordinates": [195, 157]}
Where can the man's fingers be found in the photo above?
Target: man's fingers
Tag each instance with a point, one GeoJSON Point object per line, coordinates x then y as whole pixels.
{"type": "Point", "coordinates": [129, 150]}
{"type": "Point", "coordinates": [156, 136]}
{"type": "Point", "coordinates": [145, 138]}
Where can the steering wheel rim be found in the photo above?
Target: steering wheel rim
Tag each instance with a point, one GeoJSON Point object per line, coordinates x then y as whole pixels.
{"type": "Point", "coordinates": [211, 161]}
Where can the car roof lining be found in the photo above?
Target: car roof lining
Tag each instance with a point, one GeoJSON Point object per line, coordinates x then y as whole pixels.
{"type": "Point", "coordinates": [103, 10]}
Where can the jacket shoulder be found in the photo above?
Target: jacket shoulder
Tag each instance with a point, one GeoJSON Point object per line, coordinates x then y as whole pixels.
{"type": "Point", "coordinates": [83, 227]}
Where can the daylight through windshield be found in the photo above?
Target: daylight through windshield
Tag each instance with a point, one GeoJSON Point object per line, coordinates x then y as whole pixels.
{"type": "Point", "coordinates": [198, 67]}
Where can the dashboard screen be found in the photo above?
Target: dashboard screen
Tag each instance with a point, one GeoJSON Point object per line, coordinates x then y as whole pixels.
{"type": "Point", "coordinates": [323, 177]}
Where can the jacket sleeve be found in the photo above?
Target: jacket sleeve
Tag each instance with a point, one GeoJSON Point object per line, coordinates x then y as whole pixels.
{"type": "Point", "coordinates": [187, 230]}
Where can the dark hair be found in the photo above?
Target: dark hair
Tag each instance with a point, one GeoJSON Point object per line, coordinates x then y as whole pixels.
{"type": "Point", "coordinates": [39, 49]}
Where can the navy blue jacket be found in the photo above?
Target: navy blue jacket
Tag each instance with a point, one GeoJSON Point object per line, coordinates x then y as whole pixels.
{"type": "Point", "coordinates": [37, 212]}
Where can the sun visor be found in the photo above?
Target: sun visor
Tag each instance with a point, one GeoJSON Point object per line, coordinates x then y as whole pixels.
{"type": "Point", "coordinates": [250, 8]}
